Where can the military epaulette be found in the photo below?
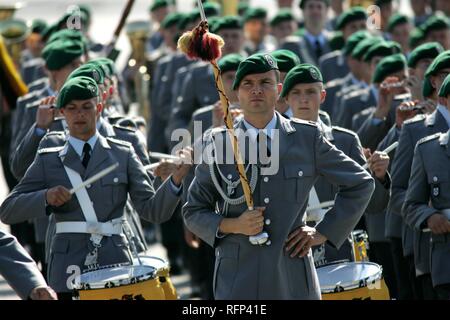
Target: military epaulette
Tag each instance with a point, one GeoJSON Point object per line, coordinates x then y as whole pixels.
{"type": "Point", "coordinates": [28, 95]}
{"type": "Point", "coordinates": [56, 133]}
{"type": "Point", "coordinates": [417, 118]}
{"type": "Point", "coordinates": [37, 82]}
{"type": "Point", "coordinates": [340, 129]}
{"type": "Point", "coordinates": [429, 138]}
{"type": "Point", "coordinates": [402, 97]}
{"type": "Point", "coordinates": [117, 126]}
{"type": "Point", "coordinates": [34, 62]}
{"type": "Point", "coordinates": [292, 38]}
{"type": "Point", "coordinates": [300, 121]}
{"type": "Point", "coordinates": [355, 93]}
{"type": "Point", "coordinates": [121, 142]}
{"type": "Point", "coordinates": [329, 55]}
{"type": "Point", "coordinates": [365, 112]}
{"type": "Point", "coordinates": [33, 104]}
{"type": "Point", "coordinates": [334, 83]}
{"type": "Point", "coordinates": [202, 110]}
{"type": "Point", "coordinates": [50, 150]}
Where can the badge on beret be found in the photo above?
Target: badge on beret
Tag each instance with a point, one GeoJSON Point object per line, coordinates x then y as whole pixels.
{"type": "Point", "coordinates": [95, 76]}
{"type": "Point", "coordinates": [91, 88]}
{"type": "Point", "coordinates": [269, 60]}
{"type": "Point", "coordinates": [314, 74]}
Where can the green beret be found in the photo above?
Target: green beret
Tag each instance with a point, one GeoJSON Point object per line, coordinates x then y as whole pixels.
{"type": "Point", "coordinates": [230, 62]}
{"type": "Point", "coordinates": [212, 9]}
{"type": "Point", "coordinates": [428, 50]}
{"type": "Point", "coordinates": [90, 70]}
{"type": "Point", "coordinates": [354, 14]}
{"type": "Point", "coordinates": [255, 13]}
{"type": "Point", "coordinates": [442, 61]}
{"type": "Point", "coordinates": [427, 88]}
{"type": "Point", "coordinates": [388, 66]}
{"type": "Point", "coordinates": [286, 59]}
{"type": "Point", "coordinates": [60, 53]}
{"type": "Point", "coordinates": [107, 65]}
{"type": "Point", "coordinates": [381, 49]}
{"type": "Point", "coordinates": [382, 2]}
{"type": "Point", "coordinates": [185, 19]}
{"type": "Point", "coordinates": [228, 22]}
{"type": "Point", "coordinates": [14, 30]}
{"type": "Point", "coordinates": [354, 40]}
{"type": "Point", "coordinates": [396, 20]}
{"type": "Point", "coordinates": [171, 20]}
{"type": "Point", "coordinates": [67, 34]}
{"type": "Point", "coordinates": [282, 16]}
{"type": "Point", "coordinates": [444, 91]}
{"type": "Point", "coordinates": [158, 4]}
{"type": "Point", "coordinates": [257, 63]}
{"type": "Point", "coordinates": [303, 3]}
{"type": "Point", "coordinates": [49, 31]}
{"type": "Point", "coordinates": [416, 37]}
{"type": "Point", "coordinates": [303, 73]}
{"type": "Point", "coordinates": [337, 41]}
{"type": "Point", "coordinates": [435, 22]}
{"type": "Point", "coordinates": [194, 15]}
{"type": "Point", "coordinates": [242, 8]}
{"type": "Point", "coordinates": [362, 47]}
{"type": "Point", "coordinates": [38, 26]}
{"type": "Point", "coordinates": [79, 88]}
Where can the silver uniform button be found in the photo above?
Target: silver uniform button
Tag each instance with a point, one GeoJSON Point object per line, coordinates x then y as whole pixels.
{"type": "Point", "coordinates": [266, 179]}
{"type": "Point", "coordinates": [435, 179]}
{"type": "Point", "coordinates": [266, 200]}
{"type": "Point", "coordinates": [268, 243]}
{"type": "Point", "coordinates": [300, 173]}
{"type": "Point", "coordinates": [88, 186]}
{"type": "Point", "coordinates": [116, 180]}
{"type": "Point", "coordinates": [230, 177]}
{"type": "Point", "coordinates": [268, 221]}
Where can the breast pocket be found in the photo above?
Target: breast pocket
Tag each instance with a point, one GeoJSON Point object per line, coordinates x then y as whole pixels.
{"type": "Point", "coordinates": [299, 180]}
{"type": "Point", "coordinates": [114, 188]}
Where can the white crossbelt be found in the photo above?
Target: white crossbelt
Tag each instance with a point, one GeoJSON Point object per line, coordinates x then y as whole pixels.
{"type": "Point", "coordinates": [113, 227]}
{"type": "Point", "coordinates": [313, 211]}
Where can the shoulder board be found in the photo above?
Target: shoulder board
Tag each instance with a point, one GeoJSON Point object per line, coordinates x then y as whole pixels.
{"type": "Point", "coordinates": [330, 55]}
{"type": "Point", "coordinates": [292, 39]}
{"type": "Point", "coordinates": [34, 62]}
{"type": "Point", "coordinates": [33, 104]}
{"type": "Point", "coordinates": [56, 133]}
{"type": "Point", "coordinates": [203, 110]}
{"type": "Point", "coordinates": [116, 126]}
{"type": "Point", "coordinates": [121, 142]}
{"type": "Point", "coordinates": [334, 83]}
{"type": "Point", "coordinates": [353, 94]}
{"type": "Point", "coordinates": [417, 118]}
{"type": "Point", "coordinates": [401, 97]}
{"type": "Point", "coordinates": [344, 130]}
{"type": "Point", "coordinates": [38, 82]}
{"type": "Point", "coordinates": [366, 111]}
{"type": "Point", "coordinates": [310, 123]}
{"type": "Point", "coordinates": [50, 150]}
{"type": "Point", "coordinates": [28, 95]}
{"type": "Point", "coordinates": [429, 138]}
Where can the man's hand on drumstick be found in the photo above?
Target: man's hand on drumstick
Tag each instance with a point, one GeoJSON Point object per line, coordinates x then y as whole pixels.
{"type": "Point", "coordinates": [249, 223]}
{"type": "Point", "coordinates": [302, 239]}
{"type": "Point", "coordinates": [57, 196]}
{"type": "Point", "coordinates": [165, 169]}
{"type": "Point", "coordinates": [184, 165]}
{"type": "Point", "coordinates": [45, 113]}
{"type": "Point", "coordinates": [378, 165]}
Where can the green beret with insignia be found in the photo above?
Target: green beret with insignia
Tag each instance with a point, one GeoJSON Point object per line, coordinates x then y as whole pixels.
{"type": "Point", "coordinates": [230, 62]}
{"type": "Point", "coordinates": [255, 13]}
{"type": "Point", "coordinates": [68, 34]}
{"type": "Point", "coordinates": [79, 88]}
{"type": "Point", "coordinates": [388, 66]}
{"type": "Point", "coordinates": [337, 41]}
{"type": "Point", "coordinates": [60, 53]}
{"type": "Point", "coordinates": [157, 4]}
{"type": "Point", "coordinates": [428, 50]}
{"type": "Point", "coordinates": [286, 59]}
{"type": "Point", "coordinates": [427, 88]}
{"type": "Point", "coordinates": [227, 22]}
{"type": "Point", "coordinates": [38, 26]}
{"type": "Point", "coordinates": [255, 64]}
{"type": "Point", "coordinates": [442, 61]}
{"type": "Point", "coordinates": [416, 37]}
{"type": "Point", "coordinates": [171, 20]}
{"type": "Point", "coordinates": [396, 20]}
{"type": "Point", "coordinates": [361, 48]}
{"type": "Point", "coordinates": [303, 73]}
{"type": "Point", "coordinates": [354, 40]}
{"type": "Point", "coordinates": [90, 70]}
{"type": "Point", "coordinates": [381, 49]}
{"type": "Point", "coordinates": [282, 16]}
{"type": "Point", "coordinates": [444, 91]}
{"type": "Point", "coordinates": [434, 23]}
{"type": "Point", "coordinates": [303, 3]}
{"type": "Point", "coordinates": [351, 15]}
{"type": "Point", "coordinates": [212, 9]}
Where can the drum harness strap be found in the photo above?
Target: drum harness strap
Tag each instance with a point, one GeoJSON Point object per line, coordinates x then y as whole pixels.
{"type": "Point", "coordinates": [97, 229]}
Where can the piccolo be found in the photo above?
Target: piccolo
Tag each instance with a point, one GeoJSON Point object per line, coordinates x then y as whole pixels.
{"type": "Point", "coordinates": [387, 150]}
{"type": "Point", "coordinates": [397, 84]}
{"type": "Point", "coordinates": [158, 155]}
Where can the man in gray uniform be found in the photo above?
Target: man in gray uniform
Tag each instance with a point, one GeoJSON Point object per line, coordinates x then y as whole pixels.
{"type": "Point", "coordinates": [21, 272]}
{"type": "Point", "coordinates": [417, 243]}
{"type": "Point", "coordinates": [427, 201]}
{"type": "Point", "coordinates": [282, 268]}
{"type": "Point", "coordinates": [88, 234]}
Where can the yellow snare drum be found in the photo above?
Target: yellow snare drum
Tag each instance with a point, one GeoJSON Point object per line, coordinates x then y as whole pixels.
{"type": "Point", "coordinates": [352, 281]}
{"type": "Point", "coordinates": [162, 273]}
{"type": "Point", "coordinates": [119, 283]}
{"type": "Point", "coordinates": [360, 241]}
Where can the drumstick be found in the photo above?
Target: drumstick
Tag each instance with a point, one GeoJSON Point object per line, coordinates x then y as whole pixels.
{"type": "Point", "coordinates": [152, 166]}
{"type": "Point", "coordinates": [157, 155]}
{"type": "Point", "coordinates": [322, 205]}
{"type": "Point", "coordinates": [387, 150]}
{"type": "Point", "coordinates": [95, 177]}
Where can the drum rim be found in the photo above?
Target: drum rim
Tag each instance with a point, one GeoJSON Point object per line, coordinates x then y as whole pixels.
{"type": "Point", "coordinates": [352, 285]}
{"type": "Point", "coordinates": [80, 286]}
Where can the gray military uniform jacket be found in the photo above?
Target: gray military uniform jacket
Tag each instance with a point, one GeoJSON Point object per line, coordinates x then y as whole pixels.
{"type": "Point", "coordinates": [429, 193]}
{"type": "Point", "coordinates": [17, 267]}
{"type": "Point", "coordinates": [244, 271]}
{"type": "Point", "coordinates": [333, 65]}
{"type": "Point", "coordinates": [301, 47]}
{"type": "Point", "coordinates": [108, 195]}
{"type": "Point", "coordinates": [353, 103]}
{"type": "Point", "coordinates": [412, 131]}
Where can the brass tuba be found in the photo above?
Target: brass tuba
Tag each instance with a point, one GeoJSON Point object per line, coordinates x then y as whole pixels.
{"type": "Point", "coordinates": [14, 33]}
{"type": "Point", "coordinates": [138, 33]}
